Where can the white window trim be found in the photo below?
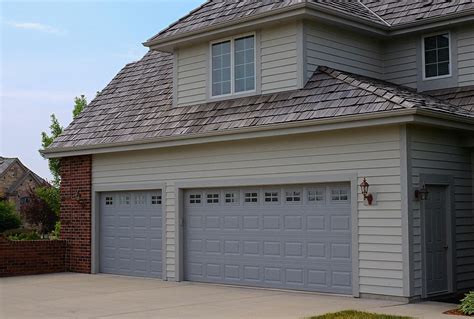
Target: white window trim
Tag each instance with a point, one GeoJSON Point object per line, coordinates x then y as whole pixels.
{"type": "Point", "coordinates": [423, 56]}
{"type": "Point", "coordinates": [232, 67]}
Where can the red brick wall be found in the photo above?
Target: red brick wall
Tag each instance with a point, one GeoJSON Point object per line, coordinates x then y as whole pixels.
{"type": "Point", "coordinates": [34, 257]}
{"type": "Point", "coordinates": [76, 184]}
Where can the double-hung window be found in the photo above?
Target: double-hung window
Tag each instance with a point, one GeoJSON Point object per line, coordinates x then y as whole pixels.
{"type": "Point", "coordinates": [436, 56]}
{"type": "Point", "coordinates": [233, 66]}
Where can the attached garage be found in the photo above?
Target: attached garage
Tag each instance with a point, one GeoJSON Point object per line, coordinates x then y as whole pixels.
{"type": "Point", "coordinates": [290, 237]}
{"type": "Point", "coordinates": [131, 233]}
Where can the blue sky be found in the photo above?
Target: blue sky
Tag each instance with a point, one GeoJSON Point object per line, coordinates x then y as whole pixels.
{"type": "Point", "coordinates": [52, 51]}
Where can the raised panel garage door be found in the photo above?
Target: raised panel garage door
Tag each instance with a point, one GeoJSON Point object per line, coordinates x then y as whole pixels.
{"type": "Point", "coordinates": [294, 237]}
{"type": "Point", "coordinates": [131, 234]}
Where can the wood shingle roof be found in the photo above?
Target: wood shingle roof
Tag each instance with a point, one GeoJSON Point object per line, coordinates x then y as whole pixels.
{"type": "Point", "coordinates": [137, 105]}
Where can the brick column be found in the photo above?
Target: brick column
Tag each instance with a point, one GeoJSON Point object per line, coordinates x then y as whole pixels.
{"type": "Point", "coordinates": [76, 186]}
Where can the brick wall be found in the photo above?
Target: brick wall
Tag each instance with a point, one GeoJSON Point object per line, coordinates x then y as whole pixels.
{"type": "Point", "coordinates": [34, 257]}
{"type": "Point", "coordinates": [76, 184]}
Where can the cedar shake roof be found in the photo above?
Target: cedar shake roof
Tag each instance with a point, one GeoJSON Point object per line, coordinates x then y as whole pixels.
{"type": "Point", "coordinates": [462, 97]}
{"type": "Point", "coordinates": [386, 13]}
{"type": "Point", "coordinates": [137, 106]}
{"type": "Point", "coordinates": [399, 12]}
{"type": "Point", "coordinates": [5, 163]}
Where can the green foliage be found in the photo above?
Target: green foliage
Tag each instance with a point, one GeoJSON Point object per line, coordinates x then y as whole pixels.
{"type": "Point", "coordinates": [51, 196]}
{"type": "Point", "coordinates": [467, 304]}
{"type": "Point", "coordinates": [30, 235]}
{"type": "Point", "coordinates": [356, 315]}
{"type": "Point", "coordinates": [46, 140]}
{"type": "Point", "coordinates": [80, 104]}
{"type": "Point", "coordinates": [9, 219]}
{"type": "Point", "coordinates": [56, 232]}
{"type": "Point", "coordinates": [55, 130]}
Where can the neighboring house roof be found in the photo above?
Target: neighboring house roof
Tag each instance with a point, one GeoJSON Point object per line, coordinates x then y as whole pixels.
{"type": "Point", "coordinates": [386, 13]}
{"type": "Point", "coordinates": [137, 105]}
{"type": "Point", "coordinates": [39, 181]}
{"type": "Point", "coordinates": [462, 97]}
{"type": "Point", "coordinates": [5, 163]}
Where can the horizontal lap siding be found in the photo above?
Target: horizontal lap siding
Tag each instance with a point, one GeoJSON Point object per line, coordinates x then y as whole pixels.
{"type": "Point", "coordinates": [192, 63]}
{"type": "Point", "coordinates": [466, 55]}
{"type": "Point", "coordinates": [278, 53]}
{"type": "Point", "coordinates": [370, 153]}
{"type": "Point", "coordinates": [442, 153]}
{"type": "Point", "coordinates": [343, 50]}
{"type": "Point", "coordinates": [400, 61]}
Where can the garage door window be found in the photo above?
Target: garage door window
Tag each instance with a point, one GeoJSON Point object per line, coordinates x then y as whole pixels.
{"type": "Point", "coordinates": [251, 197]}
{"type": "Point", "coordinates": [272, 197]}
{"type": "Point", "coordinates": [339, 195]}
{"type": "Point", "coordinates": [213, 198]}
{"type": "Point", "coordinates": [109, 201]}
{"type": "Point", "coordinates": [316, 195]}
{"type": "Point", "coordinates": [195, 198]}
{"type": "Point", "coordinates": [140, 200]}
{"type": "Point", "coordinates": [231, 197]}
{"type": "Point", "coordinates": [124, 200]}
{"type": "Point", "coordinates": [156, 199]}
{"type": "Point", "coordinates": [293, 196]}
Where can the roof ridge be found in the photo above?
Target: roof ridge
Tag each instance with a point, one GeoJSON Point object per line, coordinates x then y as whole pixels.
{"type": "Point", "coordinates": [359, 83]}
{"type": "Point", "coordinates": [375, 14]}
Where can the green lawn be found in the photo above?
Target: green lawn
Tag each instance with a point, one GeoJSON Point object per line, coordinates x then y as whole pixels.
{"type": "Point", "coordinates": [356, 315]}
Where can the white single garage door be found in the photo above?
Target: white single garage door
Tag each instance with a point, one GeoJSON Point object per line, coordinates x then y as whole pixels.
{"type": "Point", "coordinates": [291, 237]}
{"type": "Point", "coordinates": [131, 234]}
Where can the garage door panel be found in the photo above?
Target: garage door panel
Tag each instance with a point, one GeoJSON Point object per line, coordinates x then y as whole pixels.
{"type": "Point", "coordinates": [282, 237]}
{"type": "Point", "coordinates": [131, 234]}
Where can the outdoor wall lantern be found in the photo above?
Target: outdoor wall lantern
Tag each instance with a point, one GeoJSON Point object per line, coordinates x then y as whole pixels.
{"type": "Point", "coordinates": [422, 193]}
{"type": "Point", "coordinates": [364, 188]}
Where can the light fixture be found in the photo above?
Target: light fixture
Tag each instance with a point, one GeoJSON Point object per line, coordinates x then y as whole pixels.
{"type": "Point", "coordinates": [364, 188]}
{"type": "Point", "coordinates": [422, 193]}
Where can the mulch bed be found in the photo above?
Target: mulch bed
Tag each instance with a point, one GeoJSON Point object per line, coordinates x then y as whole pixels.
{"type": "Point", "coordinates": [456, 312]}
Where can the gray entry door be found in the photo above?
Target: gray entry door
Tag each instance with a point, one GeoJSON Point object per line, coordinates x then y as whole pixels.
{"type": "Point", "coordinates": [131, 234]}
{"type": "Point", "coordinates": [292, 237]}
{"type": "Point", "coordinates": [436, 240]}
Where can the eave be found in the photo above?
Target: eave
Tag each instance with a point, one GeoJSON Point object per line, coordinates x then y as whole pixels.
{"type": "Point", "coordinates": [415, 116]}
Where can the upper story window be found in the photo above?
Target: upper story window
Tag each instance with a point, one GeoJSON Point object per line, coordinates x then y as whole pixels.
{"type": "Point", "coordinates": [233, 66]}
{"type": "Point", "coordinates": [436, 56]}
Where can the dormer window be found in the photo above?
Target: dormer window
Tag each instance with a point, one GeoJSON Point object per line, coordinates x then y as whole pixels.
{"type": "Point", "coordinates": [233, 66]}
{"type": "Point", "coordinates": [436, 56]}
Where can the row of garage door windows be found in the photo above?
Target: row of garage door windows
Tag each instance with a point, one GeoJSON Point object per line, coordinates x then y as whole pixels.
{"type": "Point", "coordinates": [312, 195]}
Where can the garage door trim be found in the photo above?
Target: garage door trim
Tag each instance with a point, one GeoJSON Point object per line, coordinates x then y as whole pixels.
{"type": "Point", "coordinates": [181, 187]}
{"type": "Point", "coordinates": [97, 191]}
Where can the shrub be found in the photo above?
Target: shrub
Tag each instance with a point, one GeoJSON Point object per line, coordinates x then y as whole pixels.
{"type": "Point", "coordinates": [31, 235]}
{"type": "Point", "coordinates": [467, 304]}
{"type": "Point", "coordinates": [38, 213]}
{"type": "Point", "coordinates": [51, 196]}
{"type": "Point", "coordinates": [56, 232]}
{"type": "Point", "coordinates": [9, 219]}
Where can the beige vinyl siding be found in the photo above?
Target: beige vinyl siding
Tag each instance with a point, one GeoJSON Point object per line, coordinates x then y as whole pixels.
{"type": "Point", "coordinates": [372, 153]}
{"type": "Point", "coordinates": [442, 153]}
{"type": "Point", "coordinates": [191, 75]}
{"type": "Point", "coordinates": [400, 61]}
{"type": "Point", "coordinates": [343, 50]}
{"type": "Point", "coordinates": [466, 55]}
{"type": "Point", "coordinates": [279, 58]}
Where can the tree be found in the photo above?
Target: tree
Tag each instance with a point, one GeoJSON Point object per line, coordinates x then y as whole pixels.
{"type": "Point", "coordinates": [56, 129]}
{"type": "Point", "coordinates": [37, 212]}
{"type": "Point", "coordinates": [9, 219]}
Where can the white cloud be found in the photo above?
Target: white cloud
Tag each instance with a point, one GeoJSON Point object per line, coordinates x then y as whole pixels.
{"type": "Point", "coordinates": [34, 26]}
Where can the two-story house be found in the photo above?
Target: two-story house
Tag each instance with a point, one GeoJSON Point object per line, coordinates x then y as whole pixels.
{"type": "Point", "coordinates": [312, 145]}
{"type": "Point", "coordinates": [17, 181]}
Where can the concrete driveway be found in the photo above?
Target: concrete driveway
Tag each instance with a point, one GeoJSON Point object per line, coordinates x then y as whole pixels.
{"type": "Point", "coordinates": [105, 296]}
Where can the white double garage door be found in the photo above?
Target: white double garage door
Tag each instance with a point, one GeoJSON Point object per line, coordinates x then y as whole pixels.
{"type": "Point", "coordinates": [290, 237]}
